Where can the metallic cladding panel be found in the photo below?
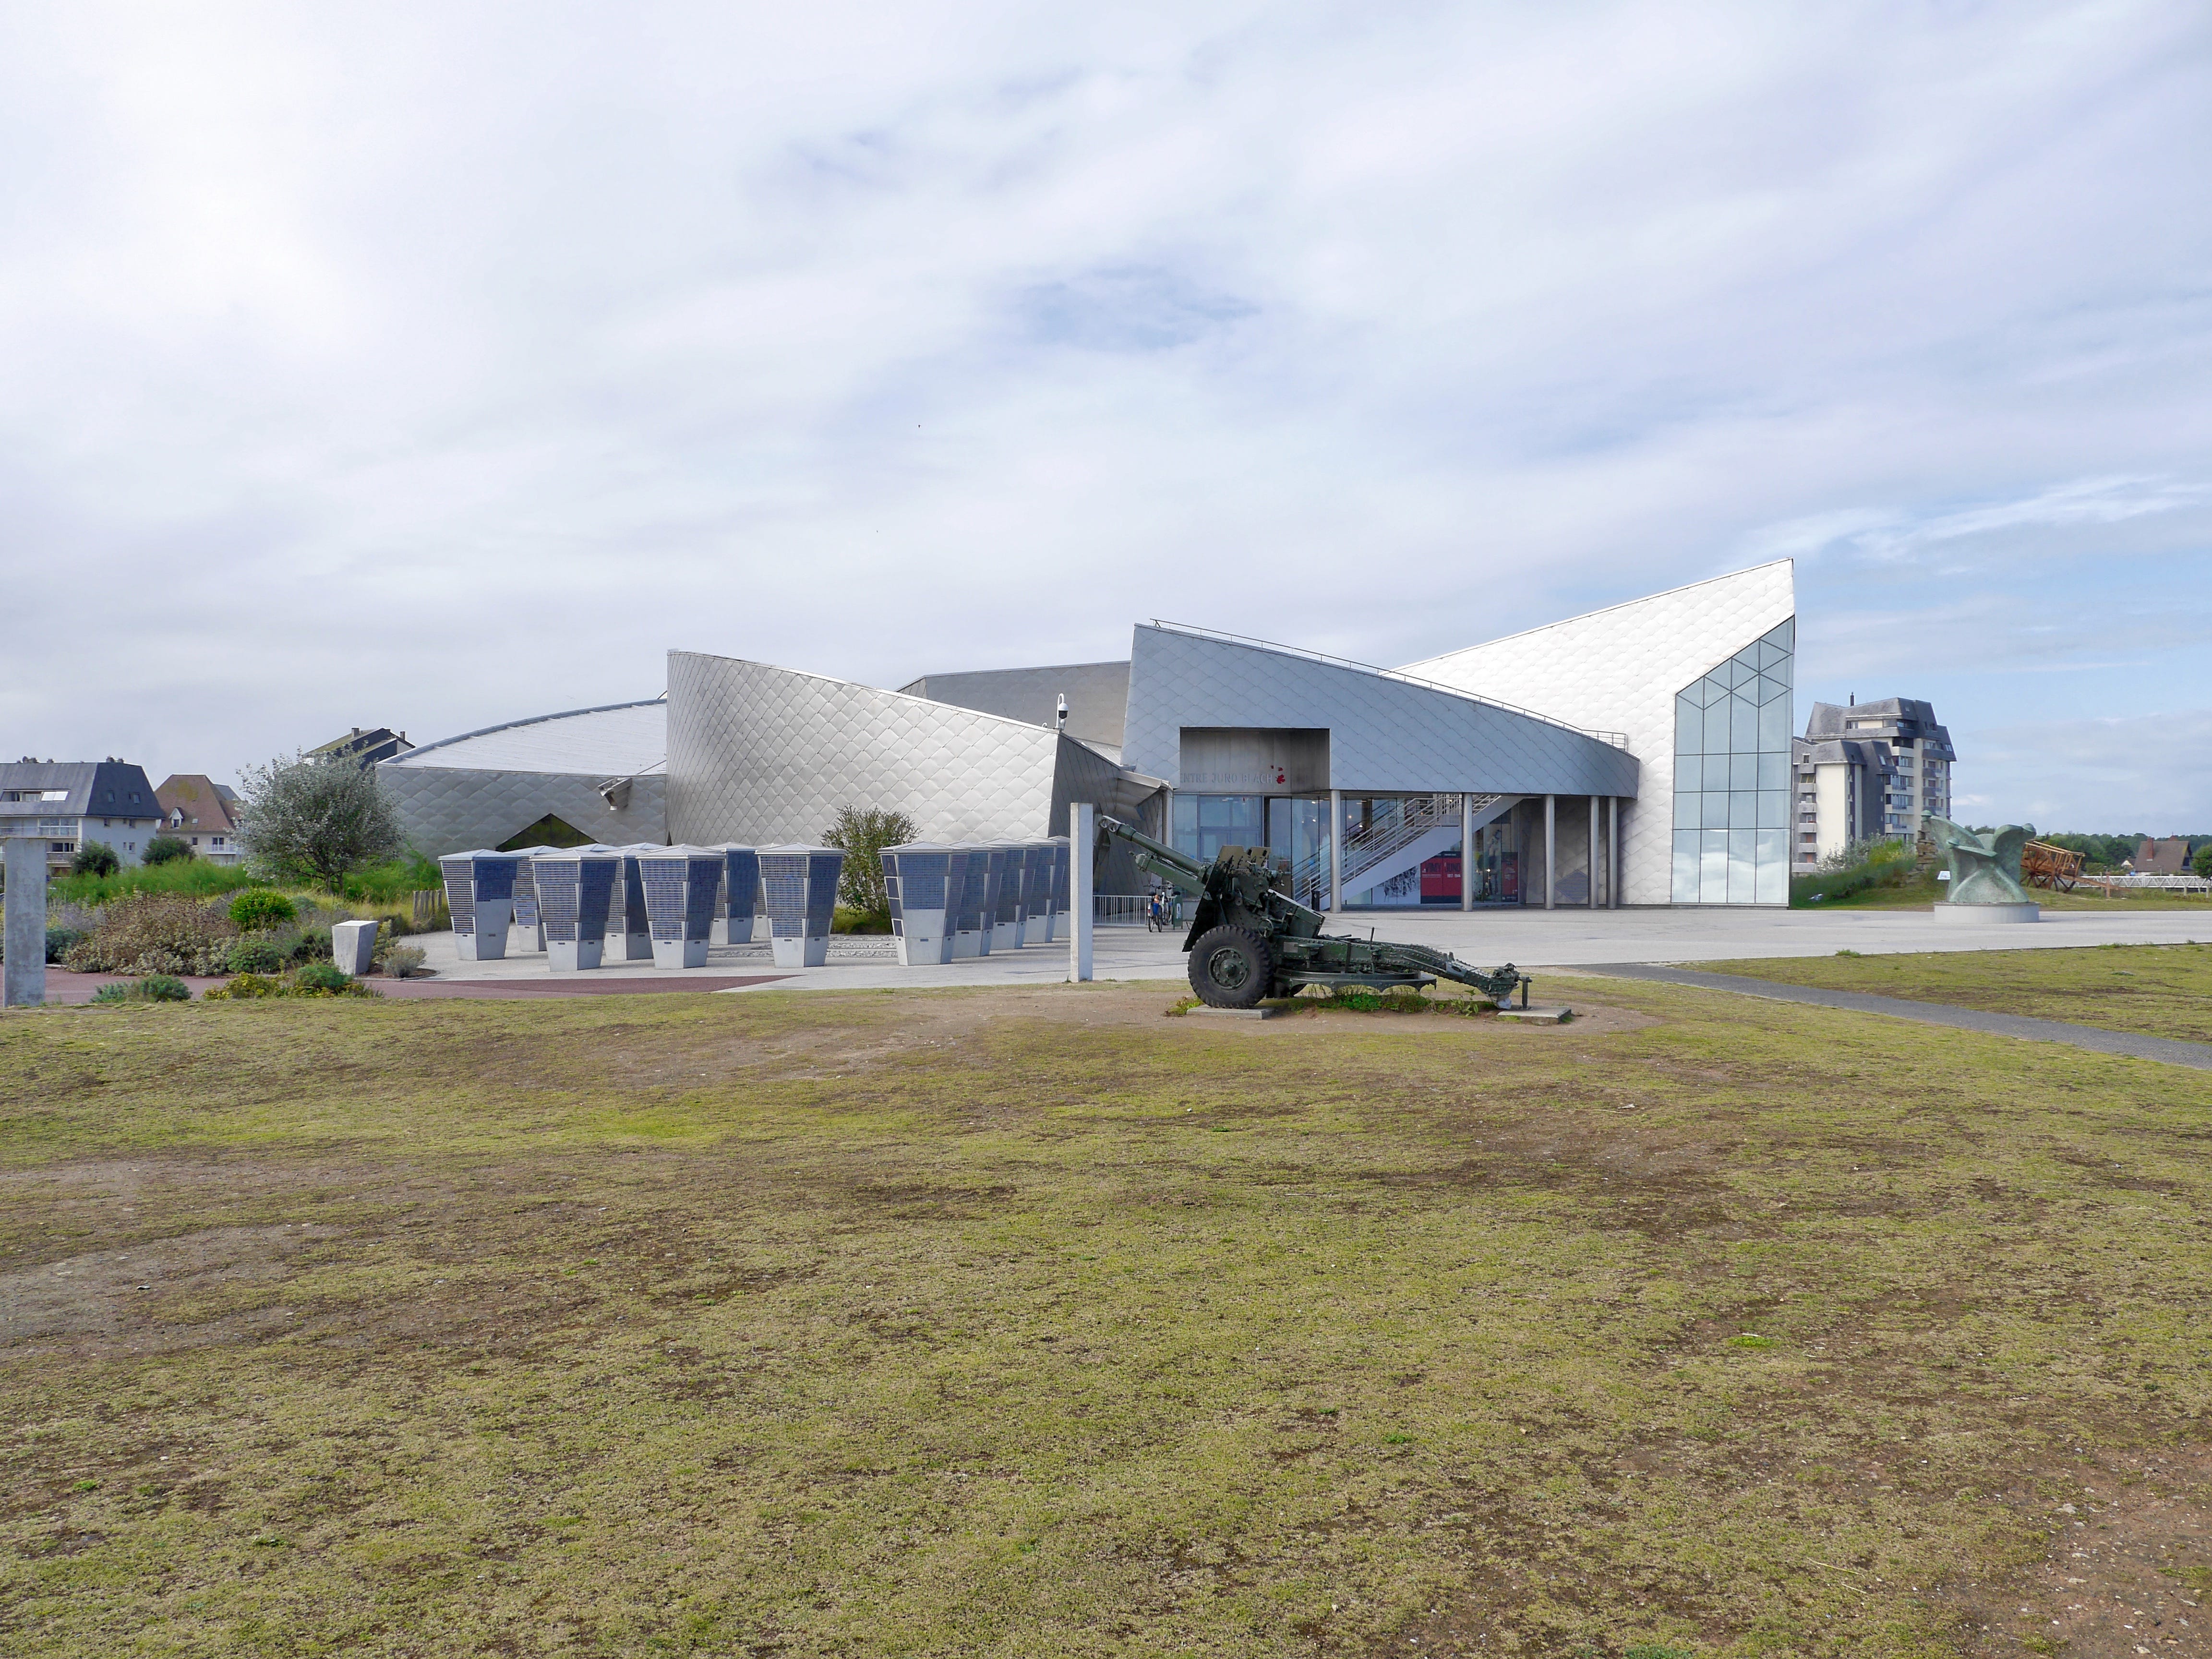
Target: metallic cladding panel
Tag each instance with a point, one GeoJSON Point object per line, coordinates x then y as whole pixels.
{"type": "Point", "coordinates": [760, 755]}
{"type": "Point", "coordinates": [448, 810]}
{"type": "Point", "coordinates": [1618, 670]}
{"type": "Point", "coordinates": [1386, 737]}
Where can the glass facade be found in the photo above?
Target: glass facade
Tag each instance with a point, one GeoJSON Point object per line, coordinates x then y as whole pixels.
{"type": "Point", "coordinates": [1732, 783]}
{"type": "Point", "coordinates": [1292, 827]}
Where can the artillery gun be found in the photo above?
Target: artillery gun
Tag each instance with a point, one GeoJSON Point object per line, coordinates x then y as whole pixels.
{"type": "Point", "coordinates": [1250, 939]}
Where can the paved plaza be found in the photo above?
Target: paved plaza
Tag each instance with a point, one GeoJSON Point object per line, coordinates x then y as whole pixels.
{"type": "Point", "coordinates": [1531, 938]}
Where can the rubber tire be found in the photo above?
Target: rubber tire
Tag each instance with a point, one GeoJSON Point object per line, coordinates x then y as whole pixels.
{"type": "Point", "coordinates": [1260, 967]}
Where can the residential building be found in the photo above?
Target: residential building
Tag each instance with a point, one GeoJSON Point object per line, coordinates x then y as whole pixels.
{"type": "Point", "coordinates": [365, 746]}
{"type": "Point", "coordinates": [108, 801]}
{"type": "Point", "coordinates": [2169, 857]}
{"type": "Point", "coordinates": [1867, 771]}
{"type": "Point", "coordinates": [201, 813]}
{"type": "Point", "coordinates": [1638, 755]}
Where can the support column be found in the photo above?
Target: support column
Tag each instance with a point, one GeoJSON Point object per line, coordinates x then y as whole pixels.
{"type": "Point", "coordinates": [1612, 863]}
{"type": "Point", "coordinates": [1550, 848]}
{"type": "Point", "coordinates": [1465, 851]}
{"type": "Point", "coordinates": [1082, 855]}
{"type": "Point", "coordinates": [26, 970]}
{"type": "Point", "coordinates": [1593, 852]}
{"type": "Point", "coordinates": [1336, 849]}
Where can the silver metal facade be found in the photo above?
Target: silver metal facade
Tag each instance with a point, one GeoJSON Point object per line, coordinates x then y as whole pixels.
{"type": "Point", "coordinates": [1386, 736]}
{"type": "Point", "coordinates": [445, 809]}
{"type": "Point", "coordinates": [761, 755]}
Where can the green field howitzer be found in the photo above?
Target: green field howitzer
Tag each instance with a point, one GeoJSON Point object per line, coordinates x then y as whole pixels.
{"type": "Point", "coordinates": [1250, 939]}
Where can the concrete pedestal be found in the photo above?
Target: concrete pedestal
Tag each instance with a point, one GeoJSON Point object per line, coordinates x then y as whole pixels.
{"type": "Point", "coordinates": [352, 946]}
{"type": "Point", "coordinates": [1038, 929]}
{"type": "Point", "coordinates": [631, 947]}
{"type": "Point", "coordinates": [679, 953]}
{"type": "Point", "coordinates": [800, 953]}
{"type": "Point", "coordinates": [968, 944]}
{"type": "Point", "coordinates": [1006, 936]}
{"type": "Point", "coordinates": [574, 955]}
{"type": "Point", "coordinates": [26, 969]}
{"type": "Point", "coordinates": [1965, 916]}
{"type": "Point", "coordinates": [488, 942]}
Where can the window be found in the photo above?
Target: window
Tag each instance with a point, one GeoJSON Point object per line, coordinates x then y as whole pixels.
{"type": "Point", "coordinates": [1732, 775]}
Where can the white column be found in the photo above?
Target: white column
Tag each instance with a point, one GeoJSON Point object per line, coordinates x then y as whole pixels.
{"type": "Point", "coordinates": [1336, 849]}
{"type": "Point", "coordinates": [1613, 861]}
{"type": "Point", "coordinates": [1593, 852]}
{"type": "Point", "coordinates": [1551, 848]}
{"type": "Point", "coordinates": [1082, 832]}
{"type": "Point", "coordinates": [1465, 851]}
{"type": "Point", "coordinates": [26, 970]}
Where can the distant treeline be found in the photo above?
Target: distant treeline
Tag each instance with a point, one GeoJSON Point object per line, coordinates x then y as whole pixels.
{"type": "Point", "coordinates": [2113, 851]}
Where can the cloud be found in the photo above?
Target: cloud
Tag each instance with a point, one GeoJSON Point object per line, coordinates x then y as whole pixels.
{"type": "Point", "coordinates": [439, 364]}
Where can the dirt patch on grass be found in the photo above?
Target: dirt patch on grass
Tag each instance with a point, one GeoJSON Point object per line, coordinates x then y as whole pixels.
{"type": "Point", "coordinates": [1028, 1320]}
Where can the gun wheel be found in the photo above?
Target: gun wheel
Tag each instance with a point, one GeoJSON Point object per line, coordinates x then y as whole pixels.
{"type": "Point", "coordinates": [1231, 968]}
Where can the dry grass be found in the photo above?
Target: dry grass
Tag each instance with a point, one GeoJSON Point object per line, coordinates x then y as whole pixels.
{"type": "Point", "coordinates": [1031, 1323]}
{"type": "Point", "coordinates": [2163, 990]}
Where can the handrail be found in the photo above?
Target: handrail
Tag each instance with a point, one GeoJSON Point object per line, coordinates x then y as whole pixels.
{"type": "Point", "coordinates": [1618, 739]}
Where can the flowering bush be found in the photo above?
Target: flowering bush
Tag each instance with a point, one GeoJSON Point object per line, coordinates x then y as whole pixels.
{"type": "Point", "coordinates": [154, 933]}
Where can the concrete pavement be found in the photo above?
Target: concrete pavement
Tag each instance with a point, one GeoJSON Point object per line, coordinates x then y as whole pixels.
{"type": "Point", "coordinates": [1531, 939]}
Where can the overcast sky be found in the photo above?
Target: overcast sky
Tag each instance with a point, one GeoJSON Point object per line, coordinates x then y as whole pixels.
{"type": "Point", "coordinates": [434, 366]}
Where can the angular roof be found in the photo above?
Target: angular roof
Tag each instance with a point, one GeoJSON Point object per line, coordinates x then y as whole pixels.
{"type": "Point", "coordinates": [1387, 732]}
{"type": "Point", "coordinates": [204, 804]}
{"type": "Point", "coordinates": [621, 739]}
{"type": "Point", "coordinates": [1097, 696]}
{"type": "Point", "coordinates": [108, 788]}
{"type": "Point", "coordinates": [1894, 718]}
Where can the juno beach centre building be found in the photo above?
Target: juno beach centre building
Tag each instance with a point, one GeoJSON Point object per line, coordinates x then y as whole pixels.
{"type": "Point", "coordinates": [1638, 755]}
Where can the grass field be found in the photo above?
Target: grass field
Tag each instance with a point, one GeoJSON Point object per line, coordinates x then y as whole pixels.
{"type": "Point", "coordinates": [1924, 890]}
{"type": "Point", "coordinates": [1031, 1323]}
{"type": "Point", "coordinates": [2164, 990]}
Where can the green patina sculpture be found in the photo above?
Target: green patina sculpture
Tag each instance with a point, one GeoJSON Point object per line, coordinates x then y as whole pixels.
{"type": "Point", "coordinates": [1985, 869]}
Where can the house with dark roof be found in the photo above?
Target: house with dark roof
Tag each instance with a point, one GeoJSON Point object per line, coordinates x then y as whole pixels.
{"type": "Point", "coordinates": [202, 814]}
{"type": "Point", "coordinates": [77, 802]}
{"type": "Point", "coordinates": [365, 746]}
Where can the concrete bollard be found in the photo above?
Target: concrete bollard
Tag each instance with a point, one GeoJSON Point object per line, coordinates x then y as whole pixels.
{"type": "Point", "coordinates": [352, 946]}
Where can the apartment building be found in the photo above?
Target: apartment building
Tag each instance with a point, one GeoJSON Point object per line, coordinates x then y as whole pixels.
{"type": "Point", "coordinates": [78, 801]}
{"type": "Point", "coordinates": [1867, 771]}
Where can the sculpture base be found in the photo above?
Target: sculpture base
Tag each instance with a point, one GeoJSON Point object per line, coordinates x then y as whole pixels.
{"type": "Point", "coordinates": [1967, 915]}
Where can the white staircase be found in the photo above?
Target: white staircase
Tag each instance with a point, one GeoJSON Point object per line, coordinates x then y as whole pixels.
{"type": "Point", "coordinates": [1405, 833]}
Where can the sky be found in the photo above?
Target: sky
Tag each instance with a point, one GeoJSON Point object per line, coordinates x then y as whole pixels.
{"type": "Point", "coordinates": [431, 366]}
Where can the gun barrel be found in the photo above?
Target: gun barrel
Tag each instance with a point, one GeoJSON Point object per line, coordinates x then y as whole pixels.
{"type": "Point", "coordinates": [1186, 874]}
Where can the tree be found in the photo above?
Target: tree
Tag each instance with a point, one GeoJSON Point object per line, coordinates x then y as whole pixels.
{"type": "Point", "coordinates": [315, 820]}
{"type": "Point", "coordinates": [861, 834]}
{"type": "Point", "coordinates": [164, 848]}
{"type": "Point", "coordinates": [94, 858]}
{"type": "Point", "coordinates": [2201, 864]}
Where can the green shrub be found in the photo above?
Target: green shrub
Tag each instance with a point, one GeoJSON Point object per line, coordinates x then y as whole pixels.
{"type": "Point", "coordinates": [59, 941]}
{"type": "Point", "coordinates": [257, 910]}
{"type": "Point", "coordinates": [154, 933]}
{"type": "Point", "coordinates": [244, 988]}
{"type": "Point", "coordinates": [254, 955]}
{"type": "Point", "coordinates": [154, 987]}
{"type": "Point", "coordinates": [850, 920]}
{"type": "Point", "coordinates": [165, 849]}
{"type": "Point", "coordinates": [324, 976]}
{"type": "Point", "coordinates": [313, 944]}
{"type": "Point", "coordinates": [403, 961]}
{"type": "Point", "coordinates": [94, 858]}
{"type": "Point", "coordinates": [862, 834]}
{"type": "Point", "coordinates": [194, 876]}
